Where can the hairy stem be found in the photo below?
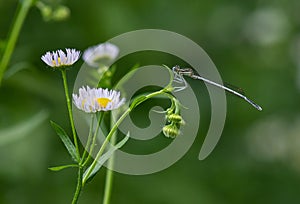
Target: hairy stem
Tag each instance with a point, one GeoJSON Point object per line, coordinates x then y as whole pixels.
{"type": "Point", "coordinates": [78, 187]}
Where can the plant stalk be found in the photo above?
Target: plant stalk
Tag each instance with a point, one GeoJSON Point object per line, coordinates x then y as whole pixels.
{"type": "Point", "coordinates": [109, 172]}
{"type": "Point", "coordinates": [64, 76]}
{"type": "Point", "coordinates": [79, 186]}
{"type": "Point", "coordinates": [17, 25]}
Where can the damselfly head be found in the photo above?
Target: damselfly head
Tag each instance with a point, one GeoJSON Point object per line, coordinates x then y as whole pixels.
{"type": "Point", "coordinates": [176, 68]}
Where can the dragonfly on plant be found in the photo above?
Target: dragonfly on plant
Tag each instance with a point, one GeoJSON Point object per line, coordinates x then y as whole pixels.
{"type": "Point", "coordinates": [180, 72]}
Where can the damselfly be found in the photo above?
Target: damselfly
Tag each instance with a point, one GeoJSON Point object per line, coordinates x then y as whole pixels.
{"type": "Point", "coordinates": [180, 72]}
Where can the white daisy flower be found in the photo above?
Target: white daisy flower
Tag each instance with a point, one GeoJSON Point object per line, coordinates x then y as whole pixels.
{"type": "Point", "coordinates": [105, 51]}
{"type": "Point", "coordinates": [59, 58]}
{"type": "Point", "coordinates": [92, 100]}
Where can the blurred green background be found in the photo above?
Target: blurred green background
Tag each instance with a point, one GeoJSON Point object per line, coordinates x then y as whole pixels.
{"type": "Point", "coordinates": [254, 44]}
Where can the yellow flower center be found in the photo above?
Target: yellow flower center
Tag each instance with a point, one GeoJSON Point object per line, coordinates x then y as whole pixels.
{"type": "Point", "coordinates": [58, 60]}
{"type": "Point", "coordinates": [103, 102]}
{"type": "Point", "coordinates": [83, 102]}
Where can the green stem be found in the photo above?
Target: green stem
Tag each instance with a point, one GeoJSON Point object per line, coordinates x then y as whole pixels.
{"type": "Point", "coordinates": [102, 148]}
{"type": "Point", "coordinates": [64, 76]}
{"type": "Point", "coordinates": [94, 140]}
{"type": "Point", "coordinates": [108, 181]}
{"type": "Point", "coordinates": [109, 172]}
{"type": "Point", "coordinates": [79, 186]}
{"type": "Point", "coordinates": [19, 20]}
{"type": "Point", "coordinates": [88, 140]}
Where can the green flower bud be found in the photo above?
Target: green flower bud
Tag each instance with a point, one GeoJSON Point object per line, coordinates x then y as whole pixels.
{"type": "Point", "coordinates": [174, 118]}
{"type": "Point", "coordinates": [45, 10]}
{"type": "Point", "coordinates": [61, 13]}
{"type": "Point", "coordinates": [171, 131]}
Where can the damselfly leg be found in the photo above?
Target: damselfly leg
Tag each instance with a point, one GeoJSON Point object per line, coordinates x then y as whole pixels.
{"type": "Point", "coordinates": [178, 78]}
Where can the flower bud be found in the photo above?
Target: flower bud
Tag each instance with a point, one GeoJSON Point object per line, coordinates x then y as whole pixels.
{"type": "Point", "coordinates": [174, 118]}
{"type": "Point", "coordinates": [61, 13]}
{"type": "Point", "coordinates": [169, 111]}
{"type": "Point", "coordinates": [171, 131]}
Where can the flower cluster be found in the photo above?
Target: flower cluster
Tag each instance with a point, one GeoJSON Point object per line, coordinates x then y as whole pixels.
{"type": "Point", "coordinates": [91, 100]}
{"type": "Point", "coordinates": [174, 120]}
{"type": "Point", "coordinates": [91, 55]}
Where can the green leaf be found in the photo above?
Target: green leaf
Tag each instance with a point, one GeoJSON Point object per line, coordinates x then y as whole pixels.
{"type": "Point", "coordinates": [66, 140]}
{"type": "Point", "coordinates": [104, 158]}
{"type": "Point", "coordinates": [14, 69]}
{"type": "Point", "coordinates": [58, 168]}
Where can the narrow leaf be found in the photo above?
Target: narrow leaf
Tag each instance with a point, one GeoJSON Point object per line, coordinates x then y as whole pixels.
{"type": "Point", "coordinates": [66, 140]}
{"type": "Point", "coordinates": [17, 68]}
{"type": "Point", "coordinates": [104, 158]}
{"type": "Point", "coordinates": [58, 168]}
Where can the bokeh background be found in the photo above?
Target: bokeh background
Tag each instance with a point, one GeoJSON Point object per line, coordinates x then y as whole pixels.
{"type": "Point", "coordinates": [254, 44]}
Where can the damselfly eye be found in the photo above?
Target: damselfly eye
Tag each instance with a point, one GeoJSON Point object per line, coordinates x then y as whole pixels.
{"type": "Point", "coordinates": [176, 68]}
